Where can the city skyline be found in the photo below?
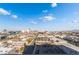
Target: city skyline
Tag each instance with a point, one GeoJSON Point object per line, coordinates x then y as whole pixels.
{"type": "Point", "coordinates": [39, 16]}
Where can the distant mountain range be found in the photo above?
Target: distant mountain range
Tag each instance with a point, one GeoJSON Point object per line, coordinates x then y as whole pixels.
{"type": "Point", "coordinates": [76, 30]}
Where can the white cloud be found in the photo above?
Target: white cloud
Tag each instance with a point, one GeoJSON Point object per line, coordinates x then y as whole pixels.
{"type": "Point", "coordinates": [53, 4]}
{"type": "Point", "coordinates": [33, 22]}
{"type": "Point", "coordinates": [48, 18]}
{"type": "Point", "coordinates": [14, 16]}
{"type": "Point", "coordinates": [4, 12]}
{"type": "Point", "coordinates": [75, 21]}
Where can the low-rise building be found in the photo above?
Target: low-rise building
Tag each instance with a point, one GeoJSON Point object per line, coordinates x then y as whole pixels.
{"type": "Point", "coordinates": [5, 50]}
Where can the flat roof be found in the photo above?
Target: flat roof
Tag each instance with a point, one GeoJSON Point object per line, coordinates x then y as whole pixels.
{"type": "Point", "coordinates": [5, 50]}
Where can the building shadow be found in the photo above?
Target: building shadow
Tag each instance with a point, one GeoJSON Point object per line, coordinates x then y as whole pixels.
{"type": "Point", "coordinates": [48, 50]}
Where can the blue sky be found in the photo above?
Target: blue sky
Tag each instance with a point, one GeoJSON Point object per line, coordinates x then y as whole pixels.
{"type": "Point", "coordinates": [39, 16]}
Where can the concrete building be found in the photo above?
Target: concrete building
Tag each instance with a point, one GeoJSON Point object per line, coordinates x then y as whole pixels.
{"type": "Point", "coordinates": [2, 36]}
{"type": "Point", "coordinates": [5, 50]}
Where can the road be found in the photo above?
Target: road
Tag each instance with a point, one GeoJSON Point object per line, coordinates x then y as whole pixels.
{"type": "Point", "coordinates": [65, 43]}
{"type": "Point", "coordinates": [69, 48]}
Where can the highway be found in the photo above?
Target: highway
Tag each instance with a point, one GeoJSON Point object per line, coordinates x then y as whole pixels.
{"type": "Point", "coordinates": [69, 48]}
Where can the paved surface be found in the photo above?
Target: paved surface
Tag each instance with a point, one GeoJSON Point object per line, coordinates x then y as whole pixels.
{"type": "Point", "coordinates": [65, 43]}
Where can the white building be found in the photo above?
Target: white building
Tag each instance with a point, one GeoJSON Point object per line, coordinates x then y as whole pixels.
{"type": "Point", "coordinates": [23, 36]}
{"type": "Point", "coordinates": [18, 43]}
{"type": "Point", "coordinates": [5, 50]}
{"type": "Point", "coordinates": [41, 35]}
{"type": "Point", "coordinates": [9, 41]}
{"type": "Point", "coordinates": [1, 36]}
{"type": "Point", "coordinates": [54, 39]}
